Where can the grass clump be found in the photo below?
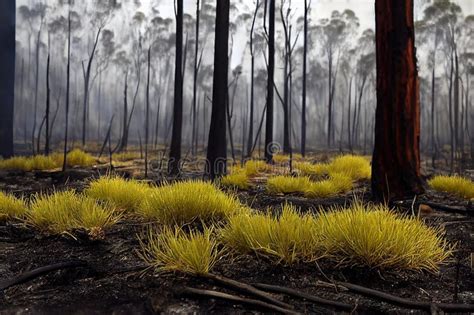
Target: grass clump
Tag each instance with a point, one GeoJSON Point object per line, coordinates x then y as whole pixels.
{"type": "Point", "coordinates": [288, 238]}
{"type": "Point", "coordinates": [184, 202]}
{"type": "Point", "coordinates": [336, 184]}
{"type": "Point", "coordinates": [174, 250]}
{"type": "Point", "coordinates": [238, 180]}
{"type": "Point", "coordinates": [375, 237]}
{"type": "Point", "coordinates": [28, 164]}
{"type": "Point", "coordinates": [11, 207]}
{"type": "Point", "coordinates": [285, 158]}
{"type": "Point", "coordinates": [65, 211]}
{"type": "Point", "coordinates": [356, 167]}
{"type": "Point", "coordinates": [124, 195]}
{"type": "Point", "coordinates": [310, 169]}
{"type": "Point", "coordinates": [288, 184]}
{"type": "Point", "coordinates": [126, 156]}
{"type": "Point", "coordinates": [79, 158]}
{"type": "Point", "coordinates": [456, 185]}
{"type": "Point", "coordinates": [255, 167]}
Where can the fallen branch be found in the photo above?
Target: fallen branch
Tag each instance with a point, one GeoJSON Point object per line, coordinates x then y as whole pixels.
{"type": "Point", "coordinates": [30, 275]}
{"type": "Point", "coordinates": [427, 306]}
{"type": "Point", "coordinates": [306, 296]}
{"type": "Point", "coordinates": [247, 289]}
{"type": "Point", "coordinates": [234, 298]}
{"type": "Point", "coordinates": [450, 209]}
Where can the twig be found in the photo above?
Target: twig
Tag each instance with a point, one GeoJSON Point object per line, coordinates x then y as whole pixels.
{"type": "Point", "coordinates": [234, 298]}
{"type": "Point", "coordinates": [30, 275]}
{"type": "Point", "coordinates": [247, 289]}
{"type": "Point", "coordinates": [303, 295]}
{"type": "Point", "coordinates": [447, 307]}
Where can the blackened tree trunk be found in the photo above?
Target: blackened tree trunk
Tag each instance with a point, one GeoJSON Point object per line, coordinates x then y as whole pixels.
{"type": "Point", "coordinates": [68, 86]}
{"type": "Point", "coordinates": [175, 150]}
{"type": "Point", "coordinates": [269, 145]}
{"type": "Point", "coordinates": [48, 102]}
{"type": "Point", "coordinates": [196, 72]}
{"type": "Point", "coordinates": [147, 114]}
{"type": "Point", "coordinates": [305, 61]}
{"type": "Point", "coordinates": [7, 75]}
{"type": "Point", "coordinates": [217, 143]}
{"type": "Point", "coordinates": [123, 142]}
{"type": "Point", "coordinates": [396, 159]}
{"type": "Point", "coordinates": [252, 82]}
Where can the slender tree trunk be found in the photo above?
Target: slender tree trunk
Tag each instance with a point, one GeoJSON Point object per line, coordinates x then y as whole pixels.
{"type": "Point", "coordinates": [48, 92]}
{"type": "Point", "coordinates": [35, 113]}
{"type": "Point", "coordinates": [349, 137]}
{"type": "Point", "coordinates": [147, 114]}
{"type": "Point", "coordinates": [123, 145]}
{"type": "Point", "coordinates": [175, 150]}
{"type": "Point", "coordinates": [433, 145]}
{"type": "Point", "coordinates": [450, 105]}
{"type": "Point", "coordinates": [196, 70]}
{"type": "Point", "coordinates": [270, 89]}
{"type": "Point", "coordinates": [456, 103]}
{"type": "Point", "coordinates": [305, 61]}
{"type": "Point", "coordinates": [396, 159]}
{"type": "Point", "coordinates": [252, 82]}
{"type": "Point", "coordinates": [22, 100]}
{"type": "Point", "coordinates": [330, 99]}
{"type": "Point", "coordinates": [68, 85]}
{"type": "Point", "coordinates": [217, 144]}
{"type": "Point", "coordinates": [7, 75]}
{"type": "Point", "coordinates": [87, 76]}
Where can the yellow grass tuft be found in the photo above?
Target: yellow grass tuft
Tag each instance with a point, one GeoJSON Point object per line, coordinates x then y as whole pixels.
{"type": "Point", "coordinates": [126, 156]}
{"type": "Point", "coordinates": [288, 238]}
{"type": "Point", "coordinates": [28, 164]}
{"type": "Point", "coordinates": [238, 180]}
{"type": "Point", "coordinates": [456, 185]}
{"type": "Point", "coordinates": [65, 211]}
{"type": "Point", "coordinates": [174, 250]}
{"type": "Point", "coordinates": [356, 167]}
{"type": "Point", "coordinates": [309, 169]}
{"type": "Point", "coordinates": [80, 158]}
{"type": "Point", "coordinates": [374, 236]}
{"type": "Point", "coordinates": [124, 195]}
{"type": "Point", "coordinates": [187, 201]}
{"type": "Point", "coordinates": [255, 167]}
{"type": "Point", "coordinates": [288, 184]}
{"type": "Point", "coordinates": [11, 207]}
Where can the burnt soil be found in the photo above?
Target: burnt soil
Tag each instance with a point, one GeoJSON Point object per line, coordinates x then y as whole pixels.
{"type": "Point", "coordinates": [116, 281]}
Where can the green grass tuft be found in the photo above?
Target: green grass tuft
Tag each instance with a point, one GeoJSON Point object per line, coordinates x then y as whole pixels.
{"type": "Point", "coordinates": [11, 207]}
{"type": "Point", "coordinates": [456, 185]}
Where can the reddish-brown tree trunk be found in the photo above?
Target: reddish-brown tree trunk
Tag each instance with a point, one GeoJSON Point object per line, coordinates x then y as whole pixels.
{"type": "Point", "coordinates": [396, 159]}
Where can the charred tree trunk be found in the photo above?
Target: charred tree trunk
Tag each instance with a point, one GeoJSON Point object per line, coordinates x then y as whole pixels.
{"type": "Point", "coordinates": [123, 142]}
{"type": "Point", "coordinates": [48, 93]}
{"type": "Point", "coordinates": [396, 159]}
{"type": "Point", "coordinates": [87, 77]}
{"type": "Point", "coordinates": [68, 86]}
{"type": "Point", "coordinates": [147, 114]}
{"type": "Point", "coordinates": [217, 144]}
{"type": "Point", "coordinates": [305, 61]}
{"type": "Point", "coordinates": [196, 71]}
{"type": "Point", "coordinates": [349, 138]}
{"type": "Point", "coordinates": [7, 75]}
{"type": "Point", "coordinates": [252, 83]}
{"type": "Point", "coordinates": [35, 113]}
{"type": "Point", "coordinates": [270, 89]}
{"type": "Point", "coordinates": [175, 150]}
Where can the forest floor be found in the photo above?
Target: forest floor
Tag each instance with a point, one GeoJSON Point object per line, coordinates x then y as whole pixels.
{"type": "Point", "coordinates": [116, 281]}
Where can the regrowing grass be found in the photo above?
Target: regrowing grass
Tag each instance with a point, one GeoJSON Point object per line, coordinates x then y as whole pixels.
{"type": "Point", "coordinates": [185, 202]}
{"type": "Point", "coordinates": [286, 238]}
{"type": "Point", "coordinates": [375, 237]}
{"type": "Point", "coordinates": [288, 184]}
{"type": "Point", "coordinates": [11, 207]}
{"type": "Point", "coordinates": [237, 179]}
{"type": "Point", "coordinates": [456, 185]}
{"type": "Point", "coordinates": [125, 195]}
{"type": "Point", "coordinates": [356, 167]}
{"type": "Point", "coordinates": [65, 211]}
{"type": "Point", "coordinates": [172, 249]}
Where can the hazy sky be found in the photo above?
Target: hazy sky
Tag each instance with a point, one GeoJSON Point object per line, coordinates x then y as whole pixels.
{"type": "Point", "coordinates": [364, 9]}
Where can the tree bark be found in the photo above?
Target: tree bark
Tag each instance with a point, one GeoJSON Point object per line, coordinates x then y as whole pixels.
{"type": "Point", "coordinates": [196, 71]}
{"type": "Point", "coordinates": [7, 75]}
{"type": "Point", "coordinates": [68, 86]}
{"type": "Point", "coordinates": [147, 114]}
{"type": "Point", "coordinates": [396, 158]}
{"type": "Point", "coordinates": [48, 93]}
{"type": "Point", "coordinates": [217, 143]}
{"type": "Point", "coordinates": [175, 150]}
{"type": "Point", "coordinates": [305, 61]}
{"type": "Point", "coordinates": [252, 82]}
